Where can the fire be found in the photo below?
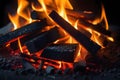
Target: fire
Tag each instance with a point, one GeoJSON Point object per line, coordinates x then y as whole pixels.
{"type": "Point", "coordinates": [15, 20]}
{"type": "Point", "coordinates": [95, 34]}
{"type": "Point", "coordinates": [103, 17]}
{"type": "Point", "coordinates": [24, 11]}
{"type": "Point", "coordinates": [20, 47]}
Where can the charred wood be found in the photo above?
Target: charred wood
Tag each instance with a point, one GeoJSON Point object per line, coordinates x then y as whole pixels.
{"type": "Point", "coordinates": [91, 46]}
{"type": "Point", "coordinates": [43, 40]}
{"type": "Point", "coordinates": [99, 27]}
{"type": "Point", "coordinates": [15, 46]}
{"type": "Point", "coordinates": [39, 15]}
{"type": "Point", "coordinates": [8, 28]}
{"type": "Point", "coordinates": [61, 52]}
{"type": "Point", "coordinates": [21, 32]}
{"type": "Point", "coordinates": [80, 14]}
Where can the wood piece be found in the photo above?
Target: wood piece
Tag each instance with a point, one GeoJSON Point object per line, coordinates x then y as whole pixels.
{"type": "Point", "coordinates": [80, 14]}
{"type": "Point", "coordinates": [91, 46]}
{"type": "Point", "coordinates": [15, 46]}
{"type": "Point", "coordinates": [21, 32]}
{"type": "Point", "coordinates": [43, 40]}
{"type": "Point", "coordinates": [61, 52]}
{"type": "Point", "coordinates": [39, 15]}
{"type": "Point", "coordinates": [99, 27]}
{"type": "Point", "coordinates": [8, 28]}
{"type": "Point", "coordinates": [50, 70]}
{"type": "Point", "coordinates": [27, 65]}
{"type": "Point", "coordinates": [36, 15]}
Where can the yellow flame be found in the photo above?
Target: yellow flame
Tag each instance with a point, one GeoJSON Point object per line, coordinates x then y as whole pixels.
{"type": "Point", "coordinates": [20, 46]}
{"type": "Point", "coordinates": [110, 38]}
{"type": "Point", "coordinates": [37, 8]}
{"type": "Point", "coordinates": [15, 20]}
{"type": "Point", "coordinates": [76, 27]}
{"type": "Point", "coordinates": [60, 64]}
{"type": "Point", "coordinates": [78, 57]}
{"type": "Point", "coordinates": [61, 8]}
{"type": "Point", "coordinates": [103, 17]}
{"type": "Point", "coordinates": [23, 10]}
{"type": "Point", "coordinates": [43, 5]}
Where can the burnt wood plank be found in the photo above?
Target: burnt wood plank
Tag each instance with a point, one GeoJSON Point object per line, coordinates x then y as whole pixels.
{"type": "Point", "coordinates": [61, 52]}
{"type": "Point", "coordinates": [21, 32]}
{"type": "Point", "coordinates": [98, 27]}
{"type": "Point", "coordinates": [43, 40]}
{"type": "Point", "coordinates": [91, 46]}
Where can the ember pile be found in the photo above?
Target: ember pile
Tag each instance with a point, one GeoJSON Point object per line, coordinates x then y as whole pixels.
{"type": "Point", "coordinates": [46, 41]}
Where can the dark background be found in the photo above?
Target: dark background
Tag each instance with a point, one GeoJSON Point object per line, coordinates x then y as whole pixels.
{"type": "Point", "coordinates": [111, 7]}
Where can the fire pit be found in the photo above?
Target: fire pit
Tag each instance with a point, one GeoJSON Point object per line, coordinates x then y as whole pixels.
{"type": "Point", "coordinates": [54, 40]}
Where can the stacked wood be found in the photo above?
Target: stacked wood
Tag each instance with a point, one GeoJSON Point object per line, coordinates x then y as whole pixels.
{"type": "Point", "coordinates": [46, 38]}
{"type": "Point", "coordinates": [21, 32]}
{"type": "Point", "coordinates": [91, 46]}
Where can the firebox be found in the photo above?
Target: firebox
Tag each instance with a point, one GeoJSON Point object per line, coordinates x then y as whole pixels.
{"type": "Point", "coordinates": [56, 39]}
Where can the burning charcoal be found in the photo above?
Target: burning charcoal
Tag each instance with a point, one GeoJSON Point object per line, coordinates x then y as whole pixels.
{"type": "Point", "coordinates": [50, 70]}
{"type": "Point", "coordinates": [91, 46]}
{"type": "Point", "coordinates": [61, 52]}
{"type": "Point", "coordinates": [28, 67]}
{"type": "Point", "coordinates": [78, 67]}
{"type": "Point", "coordinates": [23, 55]}
{"type": "Point", "coordinates": [21, 32]}
{"type": "Point", "coordinates": [58, 71]}
{"type": "Point", "coordinates": [67, 71]}
{"type": "Point", "coordinates": [43, 40]}
{"type": "Point", "coordinates": [41, 65]}
{"type": "Point", "coordinates": [8, 28]}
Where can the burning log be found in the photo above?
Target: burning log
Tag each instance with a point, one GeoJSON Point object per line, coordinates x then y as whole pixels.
{"type": "Point", "coordinates": [36, 15]}
{"type": "Point", "coordinates": [40, 15]}
{"type": "Point", "coordinates": [61, 52]}
{"type": "Point", "coordinates": [15, 46]}
{"type": "Point", "coordinates": [21, 32]}
{"type": "Point", "coordinates": [9, 27]}
{"type": "Point", "coordinates": [43, 40]}
{"type": "Point", "coordinates": [99, 27]}
{"type": "Point", "coordinates": [91, 46]}
{"type": "Point", "coordinates": [80, 14]}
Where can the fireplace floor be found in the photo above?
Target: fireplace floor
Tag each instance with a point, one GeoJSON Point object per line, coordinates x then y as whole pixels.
{"type": "Point", "coordinates": [11, 72]}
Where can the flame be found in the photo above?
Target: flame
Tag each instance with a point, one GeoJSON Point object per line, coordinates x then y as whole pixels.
{"type": "Point", "coordinates": [95, 35]}
{"type": "Point", "coordinates": [23, 10]}
{"type": "Point", "coordinates": [15, 20]}
{"type": "Point", "coordinates": [60, 6]}
{"type": "Point", "coordinates": [60, 64]}
{"type": "Point", "coordinates": [43, 5]}
{"type": "Point", "coordinates": [20, 47]}
{"type": "Point", "coordinates": [103, 17]}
